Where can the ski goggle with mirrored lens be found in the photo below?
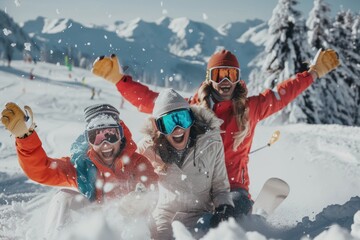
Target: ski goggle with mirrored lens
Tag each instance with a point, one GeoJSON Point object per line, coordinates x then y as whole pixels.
{"type": "Point", "coordinates": [167, 123]}
{"type": "Point", "coordinates": [109, 134]}
{"type": "Point", "coordinates": [219, 74]}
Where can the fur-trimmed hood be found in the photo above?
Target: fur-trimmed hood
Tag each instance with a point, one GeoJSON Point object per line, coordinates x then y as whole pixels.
{"type": "Point", "coordinates": [204, 118]}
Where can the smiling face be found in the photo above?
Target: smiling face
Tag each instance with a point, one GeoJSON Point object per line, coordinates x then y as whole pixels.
{"type": "Point", "coordinates": [225, 89]}
{"type": "Point", "coordinates": [108, 152]}
{"type": "Point", "coordinates": [224, 79]}
{"type": "Point", "coordinates": [178, 138]}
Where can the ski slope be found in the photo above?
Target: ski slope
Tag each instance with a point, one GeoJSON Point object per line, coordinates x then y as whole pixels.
{"type": "Point", "coordinates": [321, 163]}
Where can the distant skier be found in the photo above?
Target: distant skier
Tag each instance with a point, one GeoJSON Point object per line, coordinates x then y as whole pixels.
{"type": "Point", "coordinates": [225, 94]}
{"type": "Point", "coordinates": [31, 74]}
{"type": "Point", "coordinates": [108, 157]}
{"type": "Point", "coordinates": [92, 93]}
{"type": "Point", "coordinates": [185, 147]}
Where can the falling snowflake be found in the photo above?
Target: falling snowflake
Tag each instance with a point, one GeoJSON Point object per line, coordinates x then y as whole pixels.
{"type": "Point", "coordinates": [125, 159]}
{"type": "Point", "coordinates": [27, 46]}
{"type": "Point", "coordinates": [6, 31]}
{"type": "Point", "coordinates": [53, 165]}
{"type": "Point", "coordinates": [108, 187]}
{"type": "Point", "coordinates": [143, 178]}
{"type": "Point", "coordinates": [205, 17]}
{"type": "Point", "coordinates": [99, 184]}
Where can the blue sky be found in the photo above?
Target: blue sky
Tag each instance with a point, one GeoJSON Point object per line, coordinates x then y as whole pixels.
{"type": "Point", "coordinates": [212, 12]}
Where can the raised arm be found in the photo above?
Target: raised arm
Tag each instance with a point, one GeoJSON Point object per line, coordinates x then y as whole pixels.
{"type": "Point", "coordinates": [136, 93]}
{"type": "Point", "coordinates": [32, 157]}
{"type": "Point", "coordinates": [271, 101]}
{"type": "Point", "coordinates": [42, 169]}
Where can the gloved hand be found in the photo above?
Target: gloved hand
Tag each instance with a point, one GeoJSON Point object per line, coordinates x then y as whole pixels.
{"type": "Point", "coordinates": [222, 213]}
{"type": "Point", "coordinates": [324, 62]}
{"type": "Point", "coordinates": [14, 120]}
{"type": "Point", "coordinates": [108, 68]}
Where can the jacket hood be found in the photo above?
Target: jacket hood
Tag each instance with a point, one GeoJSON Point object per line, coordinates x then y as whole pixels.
{"type": "Point", "coordinates": [204, 118]}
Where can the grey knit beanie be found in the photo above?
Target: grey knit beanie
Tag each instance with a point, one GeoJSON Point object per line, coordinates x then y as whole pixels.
{"type": "Point", "coordinates": [101, 115]}
{"type": "Point", "coordinates": [167, 101]}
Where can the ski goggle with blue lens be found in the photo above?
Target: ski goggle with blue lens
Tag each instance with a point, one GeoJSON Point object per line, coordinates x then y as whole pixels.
{"type": "Point", "coordinates": [167, 123]}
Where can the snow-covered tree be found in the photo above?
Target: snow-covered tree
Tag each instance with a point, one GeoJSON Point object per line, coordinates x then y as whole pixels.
{"type": "Point", "coordinates": [356, 47]}
{"type": "Point", "coordinates": [340, 91]}
{"type": "Point", "coordinates": [13, 38]}
{"type": "Point", "coordinates": [333, 98]}
{"type": "Point", "coordinates": [285, 53]}
{"type": "Point", "coordinates": [319, 24]}
{"type": "Point", "coordinates": [327, 99]}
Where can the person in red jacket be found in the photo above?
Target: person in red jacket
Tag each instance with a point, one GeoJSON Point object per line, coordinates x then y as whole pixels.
{"type": "Point", "coordinates": [225, 93]}
{"type": "Point", "coordinates": [107, 169]}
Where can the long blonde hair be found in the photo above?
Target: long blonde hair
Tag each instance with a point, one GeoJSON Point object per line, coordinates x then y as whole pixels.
{"type": "Point", "coordinates": [240, 109]}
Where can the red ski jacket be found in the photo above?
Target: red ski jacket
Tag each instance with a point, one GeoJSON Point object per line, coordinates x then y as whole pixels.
{"type": "Point", "coordinates": [260, 107]}
{"type": "Point", "coordinates": [95, 180]}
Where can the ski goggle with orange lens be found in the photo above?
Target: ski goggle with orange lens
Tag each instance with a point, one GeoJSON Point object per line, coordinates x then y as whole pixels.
{"type": "Point", "coordinates": [167, 123]}
{"type": "Point", "coordinates": [109, 134]}
{"type": "Point", "coordinates": [219, 74]}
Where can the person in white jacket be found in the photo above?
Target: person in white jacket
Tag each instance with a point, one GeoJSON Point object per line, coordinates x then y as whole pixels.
{"type": "Point", "coordinates": [184, 145]}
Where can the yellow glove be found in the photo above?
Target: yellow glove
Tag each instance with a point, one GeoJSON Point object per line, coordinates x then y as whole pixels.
{"type": "Point", "coordinates": [108, 68]}
{"type": "Point", "coordinates": [324, 62]}
{"type": "Point", "coordinates": [14, 120]}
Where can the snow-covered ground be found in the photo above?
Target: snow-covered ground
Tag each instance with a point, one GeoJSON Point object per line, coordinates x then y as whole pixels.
{"type": "Point", "coordinates": [321, 163]}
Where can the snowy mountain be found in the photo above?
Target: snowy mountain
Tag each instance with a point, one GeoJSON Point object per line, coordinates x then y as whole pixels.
{"type": "Point", "coordinates": [237, 29]}
{"type": "Point", "coordinates": [320, 163]}
{"type": "Point", "coordinates": [168, 52]}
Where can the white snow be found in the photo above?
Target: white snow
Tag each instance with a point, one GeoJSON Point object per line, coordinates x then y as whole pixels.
{"type": "Point", "coordinates": [321, 163]}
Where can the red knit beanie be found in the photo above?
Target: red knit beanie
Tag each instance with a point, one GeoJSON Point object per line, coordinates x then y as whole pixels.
{"type": "Point", "coordinates": [223, 58]}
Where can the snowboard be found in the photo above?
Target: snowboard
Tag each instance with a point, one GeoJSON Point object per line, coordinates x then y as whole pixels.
{"type": "Point", "coordinates": [272, 194]}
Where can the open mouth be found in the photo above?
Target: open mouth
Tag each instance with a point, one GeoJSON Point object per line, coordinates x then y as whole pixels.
{"type": "Point", "coordinates": [178, 138]}
{"type": "Point", "coordinates": [225, 89]}
{"type": "Point", "coordinates": [107, 153]}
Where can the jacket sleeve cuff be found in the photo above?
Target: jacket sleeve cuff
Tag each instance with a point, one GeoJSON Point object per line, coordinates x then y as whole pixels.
{"type": "Point", "coordinates": [30, 143]}
{"type": "Point", "coordinates": [305, 76]}
{"type": "Point", "coordinates": [122, 83]}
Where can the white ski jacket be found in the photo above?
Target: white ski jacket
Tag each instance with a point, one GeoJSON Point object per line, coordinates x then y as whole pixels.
{"type": "Point", "coordinates": [199, 186]}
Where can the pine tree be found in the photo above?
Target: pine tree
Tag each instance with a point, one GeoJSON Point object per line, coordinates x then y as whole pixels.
{"type": "Point", "coordinates": [286, 50]}
{"type": "Point", "coordinates": [331, 99]}
{"type": "Point", "coordinates": [356, 47]}
{"type": "Point", "coordinates": [319, 23]}
{"type": "Point", "coordinates": [342, 100]}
